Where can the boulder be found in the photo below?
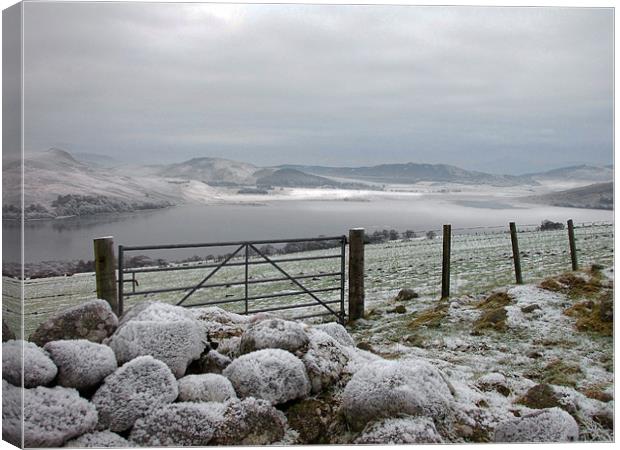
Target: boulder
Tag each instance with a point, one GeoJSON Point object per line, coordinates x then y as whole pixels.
{"type": "Point", "coordinates": [39, 369]}
{"type": "Point", "coordinates": [81, 364]}
{"type": "Point", "coordinates": [7, 334]}
{"type": "Point", "coordinates": [546, 425]}
{"type": "Point", "coordinates": [230, 347]}
{"type": "Point", "coordinates": [132, 390]}
{"type": "Point", "coordinates": [274, 333]}
{"type": "Point", "coordinates": [250, 422]}
{"type": "Point", "coordinates": [207, 387]}
{"type": "Point", "coordinates": [402, 430]}
{"type": "Point", "coordinates": [391, 388]}
{"type": "Point", "coordinates": [92, 320]}
{"type": "Point", "coordinates": [221, 324]}
{"type": "Point", "coordinates": [406, 294]}
{"type": "Point", "coordinates": [156, 311]}
{"type": "Point", "coordinates": [176, 343]}
{"type": "Point", "coordinates": [178, 424]}
{"type": "Point", "coordinates": [338, 332]}
{"type": "Point", "coordinates": [324, 360]}
{"type": "Point", "coordinates": [99, 439]}
{"type": "Point", "coordinates": [52, 416]}
{"type": "Point", "coordinates": [272, 374]}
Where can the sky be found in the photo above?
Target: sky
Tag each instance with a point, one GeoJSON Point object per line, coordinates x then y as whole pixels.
{"type": "Point", "coordinates": [497, 89]}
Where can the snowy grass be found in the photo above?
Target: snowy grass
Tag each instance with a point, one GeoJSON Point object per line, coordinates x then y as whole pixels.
{"type": "Point", "coordinates": [480, 262]}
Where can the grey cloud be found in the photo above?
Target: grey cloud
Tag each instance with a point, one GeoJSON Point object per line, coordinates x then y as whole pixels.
{"type": "Point", "coordinates": [340, 85]}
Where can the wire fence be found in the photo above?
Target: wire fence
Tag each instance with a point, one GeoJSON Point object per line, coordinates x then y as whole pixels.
{"type": "Point", "coordinates": [481, 258]}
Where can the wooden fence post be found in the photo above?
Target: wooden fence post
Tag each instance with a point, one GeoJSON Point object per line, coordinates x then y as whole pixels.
{"type": "Point", "coordinates": [105, 273]}
{"type": "Point", "coordinates": [515, 252]}
{"type": "Point", "coordinates": [571, 243]}
{"type": "Point", "coordinates": [356, 273]}
{"type": "Point", "coordinates": [445, 264]}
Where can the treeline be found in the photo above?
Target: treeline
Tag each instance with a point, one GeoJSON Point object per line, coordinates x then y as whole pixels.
{"type": "Point", "coordinates": [80, 205]}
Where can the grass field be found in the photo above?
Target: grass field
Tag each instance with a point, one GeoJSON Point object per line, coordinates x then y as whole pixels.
{"type": "Point", "coordinates": [481, 260]}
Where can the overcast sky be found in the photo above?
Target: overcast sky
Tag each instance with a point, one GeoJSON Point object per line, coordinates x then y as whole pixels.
{"type": "Point", "coordinates": [506, 90]}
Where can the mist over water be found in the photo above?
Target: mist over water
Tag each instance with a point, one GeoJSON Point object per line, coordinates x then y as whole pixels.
{"type": "Point", "coordinates": [70, 239]}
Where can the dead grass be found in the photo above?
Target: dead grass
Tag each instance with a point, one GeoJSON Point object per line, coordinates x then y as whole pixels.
{"type": "Point", "coordinates": [494, 315]}
{"type": "Point", "coordinates": [575, 286]}
{"type": "Point", "coordinates": [594, 316]}
{"type": "Point", "coordinates": [495, 301]}
{"type": "Point", "coordinates": [561, 373]}
{"type": "Point", "coordinates": [432, 317]}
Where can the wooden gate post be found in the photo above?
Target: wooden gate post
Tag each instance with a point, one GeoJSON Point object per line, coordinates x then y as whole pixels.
{"type": "Point", "coordinates": [515, 252]}
{"type": "Point", "coordinates": [105, 273]}
{"type": "Point", "coordinates": [571, 243]}
{"type": "Point", "coordinates": [356, 273]}
{"type": "Point", "coordinates": [445, 264]}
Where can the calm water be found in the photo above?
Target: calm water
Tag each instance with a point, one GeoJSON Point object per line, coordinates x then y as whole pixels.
{"type": "Point", "coordinates": [69, 239]}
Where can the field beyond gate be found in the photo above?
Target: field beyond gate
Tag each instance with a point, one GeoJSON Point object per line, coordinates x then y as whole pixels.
{"type": "Point", "coordinates": [481, 260]}
{"type": "Point", "coordinates": [231, 279]}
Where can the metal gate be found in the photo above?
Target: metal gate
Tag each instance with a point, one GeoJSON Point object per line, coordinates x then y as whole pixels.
{"type": "Point", "coordinates": [245, 255]}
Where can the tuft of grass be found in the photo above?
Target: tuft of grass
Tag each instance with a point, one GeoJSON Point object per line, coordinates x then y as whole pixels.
{"type": "Point", "coordinates": [492, 319]}
{"type": "Point", "coordinates": [560, 373]}
{"type": "Point", "coordinates": [431, 317]}
{"type": "Point", "coordinates": [575, 286]}
{"type": "Point", "coordinates": [495, 301]}
{"type": "Point", "coordinates": [594, 316]}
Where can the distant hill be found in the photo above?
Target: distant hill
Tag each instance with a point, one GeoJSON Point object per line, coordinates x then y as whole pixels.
{"type": "Point", "coordinates": [411, 173]}
{"type": "Point", "coordinates": [594, 196]}
{"type": "Point", "coordinates": [294, 178]}
{"type": "Point", "coordinates": [583, 173]}
{"type": "Point", "coordinates": [212, 170]}
{"type": "Point", "coordinates": [95, 159]}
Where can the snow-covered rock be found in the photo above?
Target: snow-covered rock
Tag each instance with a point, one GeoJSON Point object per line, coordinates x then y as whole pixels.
{"type": "Point", "coordinates": [324, 360]}
{"type": "Point", "coordinates": [250, 422]}
{"type": "Point", "coordinates": [338, 332]}
{"type": "Point", "coordinates": [271, 374]}
{"type": "Point", "coordinates": [81, 364]}
{"type": "Point", "coordinates": [391, 388]}
{"type": "Point", "coordinates": [39, 369]}
{"type": "Point", "coordinates": [207, 387]}
{"type": "Point", "coordinates": [178, 424]}
{"type": "Point", "coordinates": [176, 343]}
{"type": "Point", "coordinates": [157, 311]}
{"type": "Point", "coordinates": [274, 333]}
{"type": "Point", "coordinates": [132, 390]}
{"type": "Point", "coordinates": [99, 439]}
{"type": "Point", "coordinates": [92, 320]}
{"type": "Point", "coordinates": [221, 324]}
{"type": "Point", "coordinates": [402, 430]}
{"type": "Point", "coordinates": [51, 415]}
{"type": "Point", "coordinates": [546, 425]}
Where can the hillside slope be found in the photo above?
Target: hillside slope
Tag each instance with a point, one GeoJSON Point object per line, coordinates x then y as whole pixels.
{"type": "Point", "coordinates": [594, 196]}
{"type": "Point", "coordinates": [411, 173]}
